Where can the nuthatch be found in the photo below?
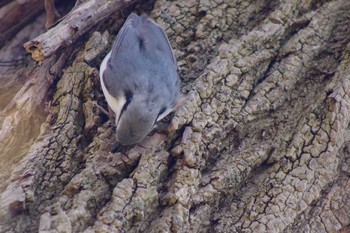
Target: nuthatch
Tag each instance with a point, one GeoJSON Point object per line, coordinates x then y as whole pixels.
{"type": "Point", "coordinates": [139, 78]}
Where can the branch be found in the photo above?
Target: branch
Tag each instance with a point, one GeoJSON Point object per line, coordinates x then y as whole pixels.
{"type": "Point", "coordinates": [5, 2]}
{"type": "Point", "coordinates": [16, 15]}
{"type": "Point", "coordinates": [51, 13]}
{"type": "Point", "coordinates": [73, 26]}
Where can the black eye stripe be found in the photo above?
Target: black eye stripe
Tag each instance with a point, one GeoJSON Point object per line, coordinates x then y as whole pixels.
{"type": "Point", "coordinates": [128, 96]}
{"type": "Point", "coordinates": [162, 110]}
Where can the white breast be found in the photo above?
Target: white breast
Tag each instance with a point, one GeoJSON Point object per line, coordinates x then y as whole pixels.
{"type": "Point", "coordinates": [115, 104]}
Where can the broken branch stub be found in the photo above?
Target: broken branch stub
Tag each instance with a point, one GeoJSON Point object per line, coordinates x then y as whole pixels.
{"type": "Point", "coordinates": [51, 13]}
{"type": "Point", "coordinates": [73, 26]}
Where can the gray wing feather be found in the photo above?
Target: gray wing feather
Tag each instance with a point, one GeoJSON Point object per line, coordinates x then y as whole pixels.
{"type": "Point", "coordinates": [112, 76]}
{"type": "Point", "coordinates": [140, 45]}
{"type": "Point", "coordinates": [157, 38]}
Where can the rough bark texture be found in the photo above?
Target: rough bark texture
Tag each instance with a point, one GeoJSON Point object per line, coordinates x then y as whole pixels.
{"type": "Point", "coordinates": [262, 143]}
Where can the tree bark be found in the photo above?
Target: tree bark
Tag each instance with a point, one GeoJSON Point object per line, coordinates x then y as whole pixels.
{"type": "Point", "coordinates": [262, 143]}
{"type": "Point", "coordinates": [51, 13]}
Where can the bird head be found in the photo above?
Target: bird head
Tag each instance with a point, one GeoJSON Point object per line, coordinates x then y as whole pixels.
{"type": "Point", "coordinates": [135, 122]}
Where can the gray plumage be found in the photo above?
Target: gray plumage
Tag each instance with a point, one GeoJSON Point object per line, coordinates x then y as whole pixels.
{"type": "Point", "coordinates": [139, 78]}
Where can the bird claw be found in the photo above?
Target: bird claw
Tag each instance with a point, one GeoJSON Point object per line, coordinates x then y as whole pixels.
{"type": "Point", "coordinates": [116, 148]}
{"type": "Point", "coordinates": [161, 128]}
{"type": "Point", "coordinates": [108, 113]}
{"type": "Point", "coordinates": [119, 148]}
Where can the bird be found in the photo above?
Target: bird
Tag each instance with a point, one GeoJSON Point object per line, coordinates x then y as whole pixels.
{"type": "Point", "coordinates": [139, 78]}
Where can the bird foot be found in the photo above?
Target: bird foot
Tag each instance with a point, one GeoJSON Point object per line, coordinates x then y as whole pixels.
{"type": "Point", "coordinates": [161, 128]}
{"type": "Point", "coordinates": [108, 113]}
{"type": "Point", "coordinates": [119, 148]}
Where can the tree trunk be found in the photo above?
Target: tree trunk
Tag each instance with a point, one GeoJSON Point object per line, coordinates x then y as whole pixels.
{"type": "Point", "coordinates": [262, 143]}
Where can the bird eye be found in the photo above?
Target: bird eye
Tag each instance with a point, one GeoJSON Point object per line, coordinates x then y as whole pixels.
{"type": "Point", "coordinates": [128, 95]}
{"type": "Point", "coordinates": [162, 110]}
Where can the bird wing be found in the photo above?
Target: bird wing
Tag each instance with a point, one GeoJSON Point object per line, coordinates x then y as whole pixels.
{"type": "Point", "coordinates": [139, 43]}
{"type": "Point", "coordinates": [154, 37]}
{"type": "Point", "coordinates": [140, 58]}
{"type": "Point", "coordinates": [118, 65]}
{"type": "Point", "coordinates": [144, 32]}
